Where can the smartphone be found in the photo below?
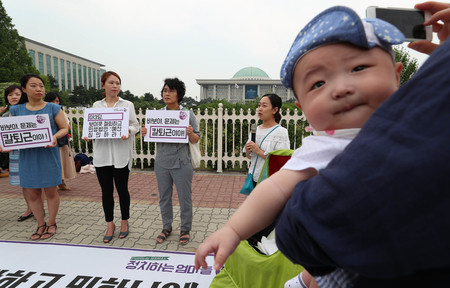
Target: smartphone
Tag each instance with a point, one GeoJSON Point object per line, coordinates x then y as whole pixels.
{"type": "Point", "coordinates": [409, 21]}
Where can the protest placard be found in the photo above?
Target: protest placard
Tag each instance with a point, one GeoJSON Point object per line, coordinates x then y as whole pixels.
{"type": "Point", "coordinates": [105, 123]}
{"type": "Point", "coordinates": [21, 132]}
{"type": "Point", "coordinates": [168, 126]}
{"type": "Point", "coordinates": [21, 265]}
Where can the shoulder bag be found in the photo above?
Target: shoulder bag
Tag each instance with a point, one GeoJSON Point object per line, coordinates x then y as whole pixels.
{"type": "Point", "coordinates": [248, 184]}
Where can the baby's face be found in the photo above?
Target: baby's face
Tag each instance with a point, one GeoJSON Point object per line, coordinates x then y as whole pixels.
{"type": "Point", "coordinates": [339, 86]}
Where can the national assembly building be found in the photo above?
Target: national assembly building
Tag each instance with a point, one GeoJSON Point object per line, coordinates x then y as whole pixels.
{"type": "Point", "coordinates": [247, 84]}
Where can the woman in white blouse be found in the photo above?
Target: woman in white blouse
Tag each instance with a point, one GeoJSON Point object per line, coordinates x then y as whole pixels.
{"type": "Point", "coordinates": [272, 136]}
{"type": "Point", "coordinates": [113, 158]}
{"type": "Point", "coordinates": [275, 137]}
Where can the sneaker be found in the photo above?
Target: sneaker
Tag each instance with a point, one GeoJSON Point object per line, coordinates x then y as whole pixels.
{"type": "Point", "coordinates": [4, 174]}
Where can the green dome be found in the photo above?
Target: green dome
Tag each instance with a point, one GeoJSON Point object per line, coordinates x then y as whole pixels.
{"type": "Point", "coordinates": [251, 73]}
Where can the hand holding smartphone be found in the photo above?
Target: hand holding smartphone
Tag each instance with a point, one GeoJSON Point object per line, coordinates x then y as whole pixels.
{"type": "Point", "coordinates": [409, 21]}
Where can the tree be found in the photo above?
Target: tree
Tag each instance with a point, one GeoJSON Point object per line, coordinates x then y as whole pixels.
{"type": "Point", "coordinates": [127, 95]}
{"type": "Point", "coordinates": [53, 82]}
{"type": "Point", "coordinates": [410, 64]}
{"type": "Point", "coordinates": [92, 95]}
{"type": "Point", "coordinates": [149, 97]}
{"type": "Point", "coordinates": [77, 96]}
{"type": "Point", "coordinates": [189, 102]}
{"type": "Point", "coordinates": [14, 59]}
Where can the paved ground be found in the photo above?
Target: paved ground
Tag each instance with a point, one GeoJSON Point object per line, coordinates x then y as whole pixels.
{"type": "Point", "coordinates": [81, 221]}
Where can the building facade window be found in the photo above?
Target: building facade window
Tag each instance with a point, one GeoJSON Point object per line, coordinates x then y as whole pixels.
{"type": "Point", "coordinates": [55, 69]}
{"type": "Point", "coordinates": [210, 91]}
{"type": "Point", "coordinates": [265, 89]}
{"type": "Point", "coordinates": [63, 75]}
{"type": "Point", "coordinates": [32, 55]}
{"type": "Point", "coordinates": [69, 76]}
{"type": "Point", "coordinates": [84, 77]}
{"type": "Point", "coordinates": [236, 94]}
{"type": "Point", "coordinates": [99, 80]}
{"type": "Point", "coordinates": [94, 77]}
{"type": "Point", "coordinates": [221, 92]}
{"type": "Point", "coordinates": [41, 62]}
{"type": "Point", "coordinates": [80, 79]}
{"type": "Point", "coordinates": [74, 70]}
{"type": "Point", "coordinates": [89, 77]}
{"type": "Point", "coordinates": [49, 64]}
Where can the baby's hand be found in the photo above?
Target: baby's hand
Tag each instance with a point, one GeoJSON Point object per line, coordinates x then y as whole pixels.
{"type": "Point", "coordinates": [222, 243]}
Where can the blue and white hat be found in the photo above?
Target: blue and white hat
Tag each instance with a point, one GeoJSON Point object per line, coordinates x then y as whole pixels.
{"type": "Point", "coordinates": [339, 24]}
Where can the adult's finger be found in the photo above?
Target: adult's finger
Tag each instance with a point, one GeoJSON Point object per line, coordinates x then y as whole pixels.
{"type": "Point", "coordinates": [432, 6]}
{"type": "Point", "coordinates": [423, 46]}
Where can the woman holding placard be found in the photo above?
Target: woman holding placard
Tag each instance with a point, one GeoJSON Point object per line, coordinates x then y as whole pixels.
{"type": "Point", "coordinates": [40, 167]}
{"type": "Point", "coordinates": [173, 166]}
{"type": "Point", "coordinates": [15, 96]}
{"type": "Point", "coordinates": [113, 158]}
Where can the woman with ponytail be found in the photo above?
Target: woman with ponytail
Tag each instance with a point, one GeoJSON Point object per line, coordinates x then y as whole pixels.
{"type": "Point", "coordinates": [275, 137]}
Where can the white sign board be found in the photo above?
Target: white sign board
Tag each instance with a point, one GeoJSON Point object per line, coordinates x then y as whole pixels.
{"type": "Point", "coordinates": [105, 123]}
{"type": "Point", "coordinates": [32, 264]}
{"type": "Point", "coordinates": [21, 132]}
{"type": "Point", "coordinates": [168, 126]}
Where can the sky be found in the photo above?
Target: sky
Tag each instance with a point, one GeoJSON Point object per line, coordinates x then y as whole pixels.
{"type": "Point", "coordinates": [146, 41]}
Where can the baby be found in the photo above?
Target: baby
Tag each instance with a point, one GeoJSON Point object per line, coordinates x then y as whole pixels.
{"type": "Point", "coordinates": [341, 68]}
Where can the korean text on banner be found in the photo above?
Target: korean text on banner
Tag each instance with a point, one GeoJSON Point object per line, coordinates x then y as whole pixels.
{"type": "Point", "coordinates": [106, 123]}
{"type": "Point", "coordinates": [21, 132]}
{"type": "Point", "coordinates": [168, 126]}
{"type": "Point", "coordinates": [90, 266]}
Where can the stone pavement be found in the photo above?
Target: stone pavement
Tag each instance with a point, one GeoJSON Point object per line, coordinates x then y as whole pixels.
{"type": "Point", "coordinates": [81, 220]}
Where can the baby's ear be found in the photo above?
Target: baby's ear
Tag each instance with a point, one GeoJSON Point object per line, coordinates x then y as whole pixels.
{"type": "Point", "coordinates": [298, 104]}
{"type": "Point", "coordinates": [398, 71]}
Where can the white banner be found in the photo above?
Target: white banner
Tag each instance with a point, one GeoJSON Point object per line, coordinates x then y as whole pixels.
{"type": "Point", "coordinates": [33, 264]}
{"type": "Point", "coordinates": [105, 123]}
{"type": "Point", "coordinates": [21, 132]}
{"type": "Point", "coordinates": [168, 126]}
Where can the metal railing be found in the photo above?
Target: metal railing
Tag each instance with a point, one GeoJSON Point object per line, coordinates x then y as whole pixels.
{"type": "Point", "coordinates": [224, 134]}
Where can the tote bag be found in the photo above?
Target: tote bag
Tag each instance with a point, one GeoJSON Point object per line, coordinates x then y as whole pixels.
{"type": "Point", "coordinates": [194, 150]}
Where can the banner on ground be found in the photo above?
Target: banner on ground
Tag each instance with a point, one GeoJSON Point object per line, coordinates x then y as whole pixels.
{"type": "Point", "coordinates": [105, 123]}
{"type": "Point", "coordinates": [21, 132]}
{"type": "Point", "coordinates": [31, 264]}
{"type": "Point", "coordinates": [168, 126]}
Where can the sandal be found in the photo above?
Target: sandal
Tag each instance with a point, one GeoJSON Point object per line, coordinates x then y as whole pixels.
{"type": "Point", "coordinates": [124, 234]}
{"type": "Point", "coordinates": [50, 234]}
{"type": "Point", "coordinates": [38, 234]}
{"type": "Point", "coordinates": [184, 237]}
{"type": "Point", "coordinates": [63, 187]}
{"type": "Point", "coordinates": [164, 234]}
{"type": "Point", "coordinates": [23, 218]}
{"type": "Point", "coordinates": [107, 239]}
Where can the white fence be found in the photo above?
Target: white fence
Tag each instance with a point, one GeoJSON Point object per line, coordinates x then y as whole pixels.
{"type": "Point", "coordinates": [224, 134]}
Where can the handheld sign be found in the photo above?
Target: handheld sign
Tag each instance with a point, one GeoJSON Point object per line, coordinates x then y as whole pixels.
{"type": "Point", "coordinates": [106, 123]}
{"type": "Point", "coordinates": [21, 132]}
{"type": "Point", "coordinates": [168, 126]}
